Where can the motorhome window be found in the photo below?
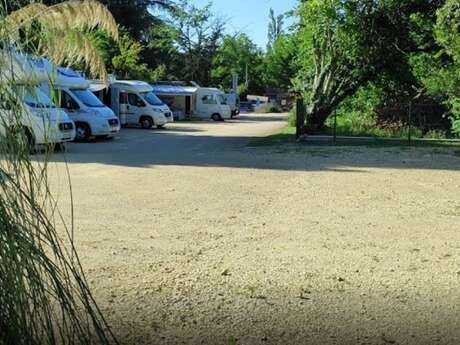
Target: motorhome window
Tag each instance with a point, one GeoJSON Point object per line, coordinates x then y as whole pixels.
{"type": "Point", "coordinates": [88, 98]}
{"type": "Point", "coordinates": [107, 97]}
{"type": "Point", "coordinates": [135, 100]}
{"type": "Point", "coordinates": [209, 99]}
{"type": "Point", "coordinates": [223, 99]}
{"type": "Point", "coordinates": [123, 98]}
{"type": "Point", "coordinates": [151, 98]}
{"type": "Point", "coordinates": [67, 102]}
{"type": "Point", "coordinates": [34, 97]}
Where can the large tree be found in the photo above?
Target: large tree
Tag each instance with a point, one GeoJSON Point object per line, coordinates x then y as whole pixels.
{"type": "Point", "coordinates": [281, 63]}
{"type": "Point", "coordinates": [437, 66]}
{"type": "Point", "coordinates": [275, 27]}
{"type": "Point", "coordinates": [344, 44]}
{"type": "Point", "coordinates": [239, 55]}
{"type": "Point", "coordinates": [197, 34]}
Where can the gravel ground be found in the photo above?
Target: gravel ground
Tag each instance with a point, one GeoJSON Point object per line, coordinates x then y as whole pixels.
{"type": "Point", "coordinates": [189, 236]}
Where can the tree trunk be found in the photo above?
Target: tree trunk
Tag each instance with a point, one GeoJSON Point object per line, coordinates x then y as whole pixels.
{"type": "Point", "coordinates": [316, 118]}
{"type": "Point", "coordinates": [325, 100]}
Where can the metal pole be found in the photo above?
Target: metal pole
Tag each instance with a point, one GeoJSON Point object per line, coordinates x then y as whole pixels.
{"type": "Point", "coordinates": [299, 117]}
{"type": "Point", "coordinates": [335, 127]}
{"type": "Point", "coordinates": [409, 135]}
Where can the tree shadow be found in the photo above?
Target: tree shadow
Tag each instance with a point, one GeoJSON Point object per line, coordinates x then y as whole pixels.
{"type": "Point", "coordinates": [183, 147]}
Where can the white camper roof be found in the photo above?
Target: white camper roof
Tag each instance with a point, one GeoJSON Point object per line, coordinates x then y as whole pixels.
{"type": "Point", "coordinates": [67, 77]}
{"type": "Point", "coordinates": [97, 85]}
{"type": "Point", "coordinates": [173, 90]}
{"type": "Point", "coordinates": [133, 85]}
{"type": "Point", "coordinates": [24, 68]}
{"type": "Point", "coordinates": [210, 90]}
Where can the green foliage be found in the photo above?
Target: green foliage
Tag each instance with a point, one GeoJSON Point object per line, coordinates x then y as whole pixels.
{"type": "Point", "coordinates": [447, 29]}
{"type": "Point", "coordinates": [346, 44]}
{"type": "Point", "coordinates": [280, 63]}
{"type": "Point", "coordinates": [197, 34]}
{"type": "Point", "coordinates": [124, 57]}
{"type": "Point", "coordinates": [438, 69]}
{"type": "Point", "coordinates": [126, 63]}
{"type": "Point", "coordinates": [292, 120]}
{"type": "Point", "coordinates": [448, 37]}
{"type": "Point", "coordinates": [134, 15]}
{"type": "Point", "coordinates": [275, 27]}
{"type": "Point", "coordinates": [161, 51]}
{"type": "Point", "coordinates": [243, 91]}
{"type": "Point", "coordinates": [238, 55]}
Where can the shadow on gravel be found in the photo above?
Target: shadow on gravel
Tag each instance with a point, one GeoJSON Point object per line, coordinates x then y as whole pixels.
{"type": "Point", "coordinates": [190, 146]}
{"type": "Point", "coordinates": [297, 322]}
{"type": "Point", "coordinates": [255, 118]}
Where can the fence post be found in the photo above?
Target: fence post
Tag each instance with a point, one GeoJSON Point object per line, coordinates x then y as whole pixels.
{"type": "Point", "coordinates": [300, 118]}
{"type": "Point", "coordinates": [409, 135]}
{"type": "Point", "coordinates": [335, 127]}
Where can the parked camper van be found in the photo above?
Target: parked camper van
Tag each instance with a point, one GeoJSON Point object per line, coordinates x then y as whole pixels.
{"type": "Point", "coordinates": [189, 100]}
{"type": "Point", "coordinates": [92, 118]}
{"type": "Point", "coordinates": [135, 104]}
{"type": "Point", "coordinates": [40, 121]}
{"type": "Point", "coordinates": [212, 103]}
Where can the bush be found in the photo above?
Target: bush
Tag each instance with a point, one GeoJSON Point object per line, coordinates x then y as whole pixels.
{"type": "Point", "coordinates": [267, 109]}
{"type": "Point", "coordinates": [436, 134]}
{"type": "Point", "coordinates": [292, 117]}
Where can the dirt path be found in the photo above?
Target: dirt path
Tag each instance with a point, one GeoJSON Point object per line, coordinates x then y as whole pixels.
{"type": "Point", "coordinates": [191, 237]}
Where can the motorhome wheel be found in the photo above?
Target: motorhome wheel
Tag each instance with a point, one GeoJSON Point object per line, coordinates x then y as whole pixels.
{"type": "Point", "coordinates": [146, 122]}
{"type": "Point", "coordinates": [60, 147]}
{"type": "Point", "coordinates": [83, 132]}
{"type": "Point", "coordinates": [216, 117]}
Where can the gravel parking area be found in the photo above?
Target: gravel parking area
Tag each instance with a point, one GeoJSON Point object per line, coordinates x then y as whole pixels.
{"type": "Point", "coordinates": [189, 236]}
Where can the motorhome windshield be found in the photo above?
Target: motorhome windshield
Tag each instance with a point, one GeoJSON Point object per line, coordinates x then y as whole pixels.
{"type": "Point", "coordinates": [223, 99]}
{"type": "Point", "coordinates": [34, 97]}
{"type": "Point", "coordinates": [151, 98]}
{"type": "Point", "coordinates": [88, 98]}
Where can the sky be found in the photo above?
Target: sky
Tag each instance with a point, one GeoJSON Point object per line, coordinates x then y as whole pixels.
{"type": "Point", "coordinates": [248, 16]}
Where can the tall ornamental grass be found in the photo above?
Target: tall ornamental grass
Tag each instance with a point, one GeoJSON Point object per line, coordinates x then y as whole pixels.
{"type": "Point", "coordinates": [44, 295]}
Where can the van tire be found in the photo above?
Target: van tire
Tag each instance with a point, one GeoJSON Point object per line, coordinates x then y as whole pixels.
{"type": "Point", "coordinates": [29, 139]}
{"type": "Point", "coordinates": [146, 122]}
{"type": "Point", "coordinates": [83, 131]}
{"type": "Point", "coordinates": [216, 117]}
{"type": "Point", "coordinates": [60, 147]}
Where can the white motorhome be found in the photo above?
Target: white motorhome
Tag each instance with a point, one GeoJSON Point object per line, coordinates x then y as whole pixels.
{"type": "Point", "coordinates": [194, 101]}
{"type": "Point", "coordinates": [39, 119]}
{"type": "Point", "coordinates": [212, 103]}
{"type": "Point", "coordinates": [135, 104]}
{"type": "Point", "coordinates": [92, 118]}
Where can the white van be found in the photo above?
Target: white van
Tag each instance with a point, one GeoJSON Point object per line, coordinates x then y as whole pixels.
{"type": "Point", "coordinates": [92, 118]}
{"type": "Point", "coordinates": [212, 103]}
{"type": "Point", "coordinates": [39, 119]}
{"type": "Point", "coordinates": [194, 101]}
{"type": "Point", "coordinates": [136, 104]}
